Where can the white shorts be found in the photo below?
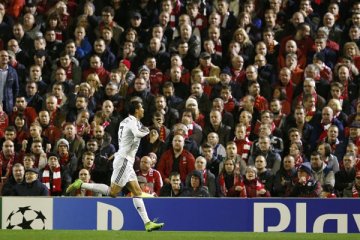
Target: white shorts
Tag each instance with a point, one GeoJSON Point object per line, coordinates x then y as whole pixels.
{"type": "Point", "coordinates": [123, 172]}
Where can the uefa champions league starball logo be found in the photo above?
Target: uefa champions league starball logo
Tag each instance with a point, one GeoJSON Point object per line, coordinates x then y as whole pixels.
{"type": "Point", "coordinates": [26, 218]}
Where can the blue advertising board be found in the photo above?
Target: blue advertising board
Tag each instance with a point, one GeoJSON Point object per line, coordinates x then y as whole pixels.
{"type": "Point", "coordinates": [185, 214]}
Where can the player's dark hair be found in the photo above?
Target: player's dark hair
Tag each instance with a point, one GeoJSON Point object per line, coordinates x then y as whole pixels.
{"type": "Point", "coordinates": [133, 106]}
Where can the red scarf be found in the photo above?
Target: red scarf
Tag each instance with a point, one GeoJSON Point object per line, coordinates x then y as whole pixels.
{"type": "Point", "coordinates": [55, 181]}
{"type": "Point", "coordinates": [237, 182]}
{"type": "Point", "coordinates": [309, 115]}
{"type": "Point", "coordinates": [8, 162]}
{"type": "Point", "coordinates": [162, 135]}
{"type": "Point", "coordinates": [205, 177]}
{"type": "Point", "coordinates": [69, 73]}
{"type": "Point", "coordinates": [298, 161]}
{"type": "Point", "coordinates": [102, 25]}
{"type": "Point", "coordinates": [355, 192]}
{"type": "Point", "coordinates": [325, 128]}
{"type": "Point", "coordinates": [64, 160]}
{"type": "Point", "coordinates": [4, 122]}
{"type": "Point", "coordinates": [261, 103]}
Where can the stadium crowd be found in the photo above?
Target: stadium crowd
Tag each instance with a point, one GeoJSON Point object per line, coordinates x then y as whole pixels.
{"type": "Point", "coordinates": [253, 98]}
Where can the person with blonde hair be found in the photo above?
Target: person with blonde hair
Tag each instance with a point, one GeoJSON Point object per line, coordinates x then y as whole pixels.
{"type": "Point", "coordinates": [246, 46]}
{"type": "Point", "coordinates": [352, 51]}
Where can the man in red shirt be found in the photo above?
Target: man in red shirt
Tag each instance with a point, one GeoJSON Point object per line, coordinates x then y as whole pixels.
{"type": "Point", "coordinates": [176, 159]}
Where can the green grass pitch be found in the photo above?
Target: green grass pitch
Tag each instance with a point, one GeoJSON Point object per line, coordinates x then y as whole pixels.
{"type": "Point", "coordinates": [162, 235]}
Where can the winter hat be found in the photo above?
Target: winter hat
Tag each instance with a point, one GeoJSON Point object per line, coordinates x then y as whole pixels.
{"type": "Point", "coordinates": [226, 70]}
{"type": "Point", "coordinates": [305, 168]}
{"type": "Point", "coordinates": [127, 63]}
{"type": "Point", "coordinates": [320, 56]}
{"type": "Point", "coordinates": [52, 155]}
{"type": "Point", "coordinates": [191, 100]}
{"type": "Point", "coordinates": [62, 141]}
{"type": "Point", "coordinates": [143, 68]}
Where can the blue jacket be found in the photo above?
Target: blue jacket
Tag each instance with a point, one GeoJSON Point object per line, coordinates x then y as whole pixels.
{"type": "Point", "coordinates": [11, 90]}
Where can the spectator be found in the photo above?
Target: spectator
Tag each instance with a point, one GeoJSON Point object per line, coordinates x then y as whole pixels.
{"type": "Point", "coordinates": [194, 129]}
{"type": "Point", "coordinates": [57, 117]}
{"type": "Point", "coordinates": [10, 88]}
{"type": "Point", "coordinates": [219, 151]}
{"type": "Point", "coordinates": [320, 171]}
{"type": "Point", "coordinates": [296, 151]}
{"type": "Point", "coordinates": [53, 176]}
{"type": "Point", "coordinates": [285, 177]}
{"type": "Point", "coordinates": [176, 159]}
{"type": "Point", "coordinates": [174, 188]}
{"type": "Point", "coordinates": [32, 185]}
{"type": "Point", "coordinates": [231, 153]}
{"type": "Point", "coordinates": [29, 161]}
{"type": "Point", "coordinates": [273, 159]}
{"type": "Point", "coordinates": [171, 114]}
{"type": "Point", "coordinates": [102, 168]}
{"type": "Point", "coordinates": [254, 188]}
{"type": "Point", "coordinates": [76, 144]}
{"type": "Point", "coordinates": [196, 186]}
{"type": "Point", "coordinates": [83, 46]}
{"type": "Point", "coordinates": [243, 144]}
{"type": "Point", "coordinates": [264, 175]}
{"type": "Point", "coordinates": [216, 125]}
{"type": "Point", "coordinates": [207, 178]}
{"type": "Point", "coordinates": [328, 157]}
{"type": "Point", "coordinates": [230, 181]}
{"type": "Point", "coordinates": [21, 108]}
{"type": "Point", "coordinates": [49, 131]}
{"type": "Point", "coordinates": [345, 177]}
{"type": "Point", "coordinates": [17, 177]}
{"type": "Point", "coordinates": [85, 176]}
{"type": "Point", "coordinates": [33, 98]}
{"type": "Point", "coordinates": [67, 159]}
{"type": "Point", "coordinates": [153, 178]}
{"type": "Point", "coordinates": [306, 185]}
{"type": "Point", "coordinates": [354, 190]}
{"type": "Point", "coordinates": [8, 157]}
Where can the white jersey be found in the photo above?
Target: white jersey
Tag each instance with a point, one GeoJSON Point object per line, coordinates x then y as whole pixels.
{"type": "Point", "coordinates": [130, 133]}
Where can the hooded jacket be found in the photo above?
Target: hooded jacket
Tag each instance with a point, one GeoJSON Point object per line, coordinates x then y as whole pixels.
{"type": "Point", "coordinates": [201, 191]}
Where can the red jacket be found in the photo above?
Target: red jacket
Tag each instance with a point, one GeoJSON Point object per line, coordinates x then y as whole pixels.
{"type": "Point", "coordinates": [154, 181]}
{"type": "Point", "coordinates": [29, 114]}
{"type": "Point", "coordinates": [186, 164]}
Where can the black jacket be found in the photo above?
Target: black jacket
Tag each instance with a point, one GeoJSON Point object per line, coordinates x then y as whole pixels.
{"type": "Point", "coordinates": [36, 188]}
{"type": "Point", "coordinates": [9, 187]}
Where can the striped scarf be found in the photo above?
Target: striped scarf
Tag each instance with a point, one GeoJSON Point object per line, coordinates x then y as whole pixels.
{"type": "Point", "coordinates": [55, 180]}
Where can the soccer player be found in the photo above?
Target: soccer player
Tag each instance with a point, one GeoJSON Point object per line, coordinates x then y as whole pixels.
{"type": "Point", "coordinates": [130, 133]}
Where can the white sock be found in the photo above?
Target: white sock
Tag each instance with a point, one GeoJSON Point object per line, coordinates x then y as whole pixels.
{"type": "Point", "coordinates": [140, 207]}
{"type": "Point", "coordinates": [97, 187]}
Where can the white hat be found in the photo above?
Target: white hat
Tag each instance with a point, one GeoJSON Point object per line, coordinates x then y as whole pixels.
{"type": "Point", "coordinates": [191, 100]}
